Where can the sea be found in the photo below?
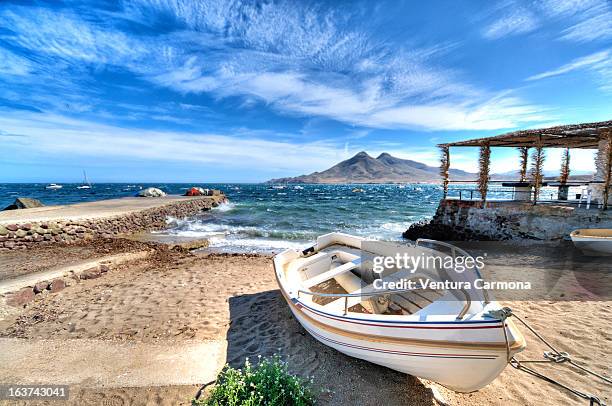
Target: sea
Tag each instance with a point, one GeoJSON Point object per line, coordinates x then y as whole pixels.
{"type": "Point", "coordinates": [269, 218]}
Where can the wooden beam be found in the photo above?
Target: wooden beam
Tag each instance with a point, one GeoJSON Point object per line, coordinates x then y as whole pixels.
{"type": "Point", "coordinates": [537, 161]}
{"type": "Point", "coordinates": [607, 169]}
{"type": "Point", "coordinates": [524, 155]}
{"type": "Point", "coordinates": [565, 168]}
{"type": "Point", "coordinates": [483, 173]}
{"type": "Point", "coordinates": [444, 168]}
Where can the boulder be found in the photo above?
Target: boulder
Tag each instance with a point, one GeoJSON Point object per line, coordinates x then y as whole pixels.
{"type": "Point", "coordinates": [91, 273]}
{"type": "Point", "coordinates": [57, 285]}
{"type": "Point", "coordinates": [20, 298]}
{"type": "Point", "coordinates": [24, 203]}
{"type": "Point", "coordinates": [3, 230]}
{"type": "Point", "coordinates": [190, 245]}
{"type": "Point", "coordinates": [41, 286]}
{"type": "Point", "coordinates": [151, 192]}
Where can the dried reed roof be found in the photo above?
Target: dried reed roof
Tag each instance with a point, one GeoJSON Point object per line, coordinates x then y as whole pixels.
{"type": "Point", "coordinates": [584, 135]}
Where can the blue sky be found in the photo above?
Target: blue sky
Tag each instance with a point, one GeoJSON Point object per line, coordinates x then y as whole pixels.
{"type": "Point", "coordinates": [169, 90]}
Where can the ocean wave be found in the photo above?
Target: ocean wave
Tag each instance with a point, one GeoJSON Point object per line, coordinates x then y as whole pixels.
{"type": "Point", "coordinates": [225, 207]}
{"type": "Point", "coordinates": [255, 244]}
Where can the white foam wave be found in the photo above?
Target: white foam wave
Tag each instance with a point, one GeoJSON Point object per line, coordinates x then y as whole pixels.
{"type": "Point", "coordinates": [225, 207]}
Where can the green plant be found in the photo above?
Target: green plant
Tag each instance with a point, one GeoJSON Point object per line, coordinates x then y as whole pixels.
{"type": "Point", "coordinates": [266, 383]}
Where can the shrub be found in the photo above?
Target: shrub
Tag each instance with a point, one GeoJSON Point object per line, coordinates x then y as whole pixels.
{"type": "Point", "coordinates": [267, 383]}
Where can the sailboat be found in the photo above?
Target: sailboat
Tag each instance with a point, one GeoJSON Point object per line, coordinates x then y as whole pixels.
{"type": "Point", "coordinates": [85, 184]}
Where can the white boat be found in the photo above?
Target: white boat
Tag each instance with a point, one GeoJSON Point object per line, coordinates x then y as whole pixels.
{"type": "Point", "coordinates": [85, 184]}
{"type": "Point", "coordinates": [450, 337]}
{"type": "Point", "coordinates": [53, 186]}
{"type": "Point", "coordinates": [593, 241]}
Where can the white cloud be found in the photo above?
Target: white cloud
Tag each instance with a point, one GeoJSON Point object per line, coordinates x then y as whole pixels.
{"type": "Point", "coordinates": [599, 63]}
{"type": "Point", "coordinates": [579, 63]}
{"type": "Point", "coordinates": [517, 21]}
{"type": "Point", "coordinates": [595, 27]}
{"type": "Point", "coordinates": [58, 136]}
{"type": "Point", "coordinates": [66, 36]}
{"type": "Point", "coordinates": [298, 59]}
{"type": "Point", "coordinates": [11, 64]}
{"type": "Point", "coordinates": [568, 7]}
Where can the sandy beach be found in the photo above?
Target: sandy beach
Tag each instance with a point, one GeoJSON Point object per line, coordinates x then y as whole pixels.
{"type": "Point", "coordinates": [176, 298]}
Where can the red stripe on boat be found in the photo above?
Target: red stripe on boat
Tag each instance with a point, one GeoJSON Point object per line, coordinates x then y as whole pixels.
{"type": "Point", "coordinates": [300, 306]}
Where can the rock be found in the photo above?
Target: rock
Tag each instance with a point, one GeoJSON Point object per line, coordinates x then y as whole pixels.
{"type": "Point", "coordinates": [151, 192]}
{"type": "Point", "coordinates": [438, 396]}
{"type": "Point", "coordinates": [104, 268]}
{"type": "Point", "coordinates": [12, 227]}
{"type": "Point", "coordinates": [24, 203]}
{"type": "Point", "coordinates": [20, 298]}
{"type": "Point", "coordinates": [57, 285]}
{"type": "Point", "coordinates": [26, 227]}
{"type": "Point", "coordinates": [21, 233]}
{"type": "Point", "coordinates": [91, 273]}
{"type": "Point", "coordinates": [39, 230]}
{"type": "Point", "coordinates": [192, 245]}
{"type": "Point", "coordinates": [9, 244]}
{"type": "Point", "coordinates": [3, 230]}
{"type": "Point", "coordinates": [40, 286]}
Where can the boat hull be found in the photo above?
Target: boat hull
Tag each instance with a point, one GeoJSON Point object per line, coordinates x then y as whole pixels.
{"type": "Point", "coordinates": [593, 242]}
{"type": "Point", "coordinates": [453, 342]}
{"type": "Point", "coordinates": [462, 369]}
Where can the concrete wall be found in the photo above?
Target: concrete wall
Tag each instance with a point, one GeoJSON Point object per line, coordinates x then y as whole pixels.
{"type": "Point", "coordinates": [466, 220]}
{"type": "Point", "coordinates": [22, 236]}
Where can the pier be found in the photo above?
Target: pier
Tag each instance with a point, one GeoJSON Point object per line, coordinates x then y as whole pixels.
{"type": "Point", "coordinates": [20, 229]}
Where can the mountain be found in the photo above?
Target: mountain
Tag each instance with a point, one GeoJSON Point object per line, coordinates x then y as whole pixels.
{"type": "Point", "coordinates": [385, 168]}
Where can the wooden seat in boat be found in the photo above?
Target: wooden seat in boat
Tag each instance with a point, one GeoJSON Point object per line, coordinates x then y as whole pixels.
{"type": "Point", "coordinates": [332, 273]}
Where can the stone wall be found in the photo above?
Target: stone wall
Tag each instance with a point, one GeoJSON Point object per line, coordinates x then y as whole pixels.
{"type": "Point", "coordinates": [466, 220]}
{"type": "Point", "coordinates": [22, 236]}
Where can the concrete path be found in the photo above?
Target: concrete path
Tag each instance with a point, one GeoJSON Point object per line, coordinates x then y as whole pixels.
{"type": "Point", "coordinates": [14, 284]}
{"type": "Point", "coordinates": [92, 210]}
{"type": "Point", "coordinates": [98, 363]}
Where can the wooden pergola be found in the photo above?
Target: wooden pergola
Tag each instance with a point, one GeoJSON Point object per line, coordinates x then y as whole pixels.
{"type": "Point", "coordinates": [585, 135]}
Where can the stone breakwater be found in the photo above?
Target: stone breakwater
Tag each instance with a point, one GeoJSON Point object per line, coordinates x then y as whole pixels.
{"type": "Point", "coordinates": [467, 220]}
{"type": "Point", "coordinates": [27, 234]}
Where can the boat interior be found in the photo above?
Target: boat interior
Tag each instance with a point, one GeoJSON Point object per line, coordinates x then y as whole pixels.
{"type": "Point", "coordinates": [341, 270]}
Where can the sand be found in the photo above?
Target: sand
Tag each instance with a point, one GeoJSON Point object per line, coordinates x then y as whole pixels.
{"type": "Point", "coordinates": [174, 297]}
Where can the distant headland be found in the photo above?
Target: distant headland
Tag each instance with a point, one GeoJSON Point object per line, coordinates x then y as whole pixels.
{"type": "Point", "coordinates": [363, 168]}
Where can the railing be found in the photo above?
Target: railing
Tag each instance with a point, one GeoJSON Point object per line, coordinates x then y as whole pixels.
{"type": "Point", "coordinates": [510, 194]}
{"type": "Point", "coordinates": [454, 251]}
{"type": "Point", "coordinates": [346, 296]}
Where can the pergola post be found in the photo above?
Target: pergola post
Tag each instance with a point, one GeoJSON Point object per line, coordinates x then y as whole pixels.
{"type": "Point", "coordinates": [444, 168]}
{"type": "Point", "coordinates": [524, 156]}
{"type": "Point", "coordinates": [607, 157]}
{"type": "Point", "coordinates": [537, 161]}
{"type": "Point", "coordinates": [484, 162]}
{"type": "Point", "coordinates": [564, 175]}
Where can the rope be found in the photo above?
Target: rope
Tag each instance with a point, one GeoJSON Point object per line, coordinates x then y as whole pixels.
{"type": "Point", "coordinates": [553, 356]}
